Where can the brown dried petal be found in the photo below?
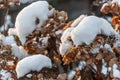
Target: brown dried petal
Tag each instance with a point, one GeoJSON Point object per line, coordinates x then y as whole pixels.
{"type": "Point", "coordinates": [113, 61]}
{"type": "Point", "coordinates": [99, 56]}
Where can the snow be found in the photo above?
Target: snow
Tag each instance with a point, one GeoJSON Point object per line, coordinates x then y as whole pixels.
{"type": "Point", "coordinates": [64, 47]}
{"type": "Point", "coordinates": [44, 41]}
{"type": "Point", "coordinates": [66, 44]}
{"type": "Point", "coordinates": [66, 35]}
{"type": "Point", "coordinates": [81, 65]}
{"type": "Point", "coordinates": [85, 32]}
{"type": "Point", "coordinates": [12, 31]}
{"type": "Point", "coordinates": [25, 20]}
{"type": "Point", "coordinates": [10, 63]}
{"type": "Point", "coordinates": [9, 40]}
{"type": "Point", "coordinates": [2, 36]}
{"type": "Point", "coordinates": [32, 63]}
{"type": "Point", "coordinates": [5, 75]}
{"type": "Point", "coordinates": [29, 75]}
{"type": "Point", "coordinates": [105, 69]}
{"type": "Point", "coordinates": [88, 28]}
{"type": "Point", "coordinates": [117, 41]}
{"type": "Point", "coordinates": [18, 51]}
{"type": "Point", "coordinates": [58, 32]}
{"type": "Point", "coordinates": [95, 50]}
{"type": "Point", "coordinates": [8, 24]}
{"type": "Point", "coordinates": [71, 75]}
{"type": "Point", "coordinates": [108, 47]}
{"type": "Point", "coordinates": [116, 72]}
{"type": "Point", "coordinates": [78, 20]}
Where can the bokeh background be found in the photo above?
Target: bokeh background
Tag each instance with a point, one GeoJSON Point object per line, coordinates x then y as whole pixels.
{"type": "Point", "coordinates": [74, 8]}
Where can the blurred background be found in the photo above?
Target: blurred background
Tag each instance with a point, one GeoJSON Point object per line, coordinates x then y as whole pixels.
{"type": "Point", "coordinates": [74, 8]}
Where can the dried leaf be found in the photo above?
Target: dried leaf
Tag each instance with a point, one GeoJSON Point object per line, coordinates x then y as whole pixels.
{"type": "Point", "coordinates": [113, 61]}
{"type": "Point", "coordinates": [99, 56]}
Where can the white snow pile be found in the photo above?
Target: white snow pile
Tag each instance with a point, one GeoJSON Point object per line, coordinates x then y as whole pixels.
{"type": "Point", "coordinates": [18, 51]}
{"type": "Point", "coordinates": [32, 63]}
{"type": "Point", "coordinates": [7, 25]}
{"type": "Point", "coordinates": [88, 28]}
{"type": "Point", "coordinates": [66, 44]}
{"type": "Point", "coordinates": [26, 19]}
{"type": "Point", "coordinates": [5, 75]}
{"type": "Point", "coordinates": [85, 32]}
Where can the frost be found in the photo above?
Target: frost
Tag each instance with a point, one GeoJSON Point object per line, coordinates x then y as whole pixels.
{"type": "Point", "coordinates": [32, 63]}
{"type": "Point", "coordinates": [88, 28]}
{"type": "Point", "coordinates": [5, 75]}
{"type": "Point", "coordinates": [26, 19]}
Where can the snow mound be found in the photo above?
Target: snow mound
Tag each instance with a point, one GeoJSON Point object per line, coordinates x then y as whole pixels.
{"type": "Point", "coordinates": [32, 17]}
{"type": "Point", "coordinates": [88, 28]}
{"type": "Point", "coordinates": [32, 63]}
